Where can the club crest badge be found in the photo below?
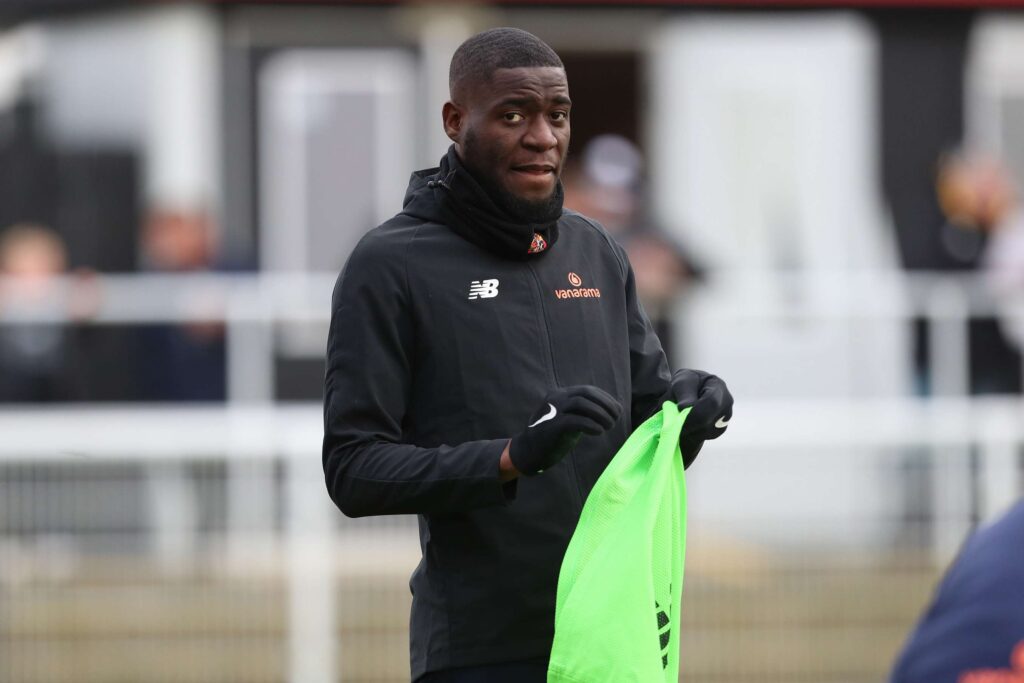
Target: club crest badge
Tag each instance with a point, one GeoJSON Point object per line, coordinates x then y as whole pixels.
{"type": "Point", "coordinates": [538, 245]}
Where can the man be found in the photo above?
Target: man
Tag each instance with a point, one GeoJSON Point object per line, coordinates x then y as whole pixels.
{"type": "Point", "coordinates": [973, 632]}
{"type": "Point", "coordinates": [487, 357]}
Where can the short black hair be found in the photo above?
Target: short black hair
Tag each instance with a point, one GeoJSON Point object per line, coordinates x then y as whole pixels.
{"type": "Point", "coordinates": [498, 48]}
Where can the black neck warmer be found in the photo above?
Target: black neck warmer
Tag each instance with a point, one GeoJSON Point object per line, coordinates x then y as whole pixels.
{"type": "Point", "coordinates": [472, 214]}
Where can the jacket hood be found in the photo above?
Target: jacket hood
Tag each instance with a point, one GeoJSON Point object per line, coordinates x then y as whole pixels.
{"type": "Point", "coordinates": [419, 199]}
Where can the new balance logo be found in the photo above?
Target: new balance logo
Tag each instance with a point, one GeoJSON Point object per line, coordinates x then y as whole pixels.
{"type": "Point", "coordinates": [483, 289]}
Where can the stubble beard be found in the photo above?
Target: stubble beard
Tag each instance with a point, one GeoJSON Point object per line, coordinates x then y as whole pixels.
{"type": "Point", "coordinates": [481, 162]}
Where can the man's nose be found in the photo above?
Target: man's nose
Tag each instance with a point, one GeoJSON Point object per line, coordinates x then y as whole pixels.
{"type": "Point", "coordinates": [540, 135]}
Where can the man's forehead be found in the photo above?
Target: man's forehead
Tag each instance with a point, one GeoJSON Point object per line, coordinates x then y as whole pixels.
{"type": "Point", "coordinates": [540, 81]}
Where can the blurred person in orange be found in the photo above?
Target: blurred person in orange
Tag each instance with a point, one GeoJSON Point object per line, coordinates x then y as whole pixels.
{"type": "Point", "coordinates": [979, 193]}
{"type": "Point", "coordinates": [973, 631]}
{"type": "Point", "coordinates": [192, 363]}
{"type": "Point", "coordinates": [33, 337]}
{"type": "Point", "coordinates": [985, 230]}
{"type": "Point", "coordinates": [976, 195]}
{"type": "Point", "coordinates": [606, 184]}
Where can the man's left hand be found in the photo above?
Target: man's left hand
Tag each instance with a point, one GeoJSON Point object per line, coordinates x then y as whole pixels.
{"type": "Point", "coordinates": [711, 409]}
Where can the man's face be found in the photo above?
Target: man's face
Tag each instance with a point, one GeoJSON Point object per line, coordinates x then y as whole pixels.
{"type": "Point", "coordinates": [512, 132]}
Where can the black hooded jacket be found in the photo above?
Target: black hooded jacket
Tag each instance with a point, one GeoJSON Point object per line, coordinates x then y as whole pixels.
{"type": "Point", "coordinates": [446, 335]}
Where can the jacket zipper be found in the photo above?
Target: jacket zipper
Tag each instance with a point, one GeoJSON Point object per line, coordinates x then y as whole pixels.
{"type": "Point", "coordinates": [545, 326]}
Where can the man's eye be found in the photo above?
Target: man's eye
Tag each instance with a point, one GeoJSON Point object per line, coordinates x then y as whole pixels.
{"type": "Point", "coordinates": [513, 117]}
{"type": "Point", "coordinates": [560, 115]}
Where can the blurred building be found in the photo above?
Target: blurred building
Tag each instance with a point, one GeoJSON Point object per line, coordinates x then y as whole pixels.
{"type": "Point", "coordinates": [250, 111]}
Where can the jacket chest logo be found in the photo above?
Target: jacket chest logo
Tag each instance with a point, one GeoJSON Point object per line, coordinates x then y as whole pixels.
{"type": "Point", "coordinates": [483, 289]}
{"type": "Point", "coordinates": [577, 291]}
{"type": "Point", "coordinates": [538, 244]}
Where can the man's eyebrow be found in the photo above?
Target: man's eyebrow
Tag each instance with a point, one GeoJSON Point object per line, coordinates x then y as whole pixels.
{"type": "Point", "coordinates": [519, 101]}
{"type": "Point", "coordinates": [515, 101]}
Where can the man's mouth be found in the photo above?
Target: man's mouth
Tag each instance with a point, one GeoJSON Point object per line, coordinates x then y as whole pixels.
{"type": "Point", "coordinates": [534, 169]}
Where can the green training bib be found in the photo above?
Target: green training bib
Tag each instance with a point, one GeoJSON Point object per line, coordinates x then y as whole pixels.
{"type": "Point", "coordinates": [621, 581]}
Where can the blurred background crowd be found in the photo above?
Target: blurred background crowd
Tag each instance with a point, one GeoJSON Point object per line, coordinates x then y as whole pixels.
{"type": "Point", "coordinates": [821, 204]}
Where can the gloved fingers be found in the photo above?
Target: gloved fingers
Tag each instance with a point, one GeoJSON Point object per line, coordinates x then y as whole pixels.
{"type": "Point", "coordinates": [566, 442]}
{"type": "Point", "coordinates": [610, 404]}
{"type": "Point", "coordinates": [704, 413]}
{"type": "Point", "coordinates": [702, 422]}
{"type": "Point", "coordinates": [596, 395]}
{"type": "Point", "coordinates": [714, 386]}
{"type": "Point", "coordinates": [711, 411]}
{"type": "Point", "coordinates": [685, 388]}
{"type": "Point", "coordinates": [587, 425]}
{"type": "Point", "coordinates": [594, 410]}
{"type": "Point", "coordinates": [688, 449]}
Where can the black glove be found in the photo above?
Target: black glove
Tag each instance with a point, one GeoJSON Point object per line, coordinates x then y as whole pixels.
{"type": "Point", "coordinates": [558, 424]}
{"type": "Point", "coordinates": [712, 409]}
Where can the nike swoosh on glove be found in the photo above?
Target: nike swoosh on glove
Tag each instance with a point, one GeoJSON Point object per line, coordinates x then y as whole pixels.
{"type": "Point", "coordinates": [711, 413]}
{"type": "Point", "coordinates": [558, 424]}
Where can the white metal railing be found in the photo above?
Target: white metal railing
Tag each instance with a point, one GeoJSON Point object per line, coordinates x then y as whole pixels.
{"type": "Point", "coordinates": [251, 305]}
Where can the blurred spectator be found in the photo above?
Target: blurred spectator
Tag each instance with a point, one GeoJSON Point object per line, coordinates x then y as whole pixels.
{"type": "Point", "coordinates": [182, 362]}
{"type": "Point", "coordinates": [993, 199]}
{"type": "Point", "coordinates": [606, 185]}
{"type": "Point", "coordinates": [178, 241]}
{"type": "Point", "coordinates": [973, 632]}
{"type": "Point", "coordinates": [976, 196]}
{"type": "Point", "coordinates": [33, 340]}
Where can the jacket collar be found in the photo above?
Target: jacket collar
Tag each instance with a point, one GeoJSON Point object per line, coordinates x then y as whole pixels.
{"type": "Point", "coordinates": [450, 195]}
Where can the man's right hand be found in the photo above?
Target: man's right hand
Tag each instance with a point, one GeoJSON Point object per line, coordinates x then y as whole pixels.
{"type": "Point", "coordinates": [557, 425]}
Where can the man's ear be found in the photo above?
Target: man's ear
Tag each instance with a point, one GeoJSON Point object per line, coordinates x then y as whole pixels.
{"type": "Point", "coordinates": [453, 118]}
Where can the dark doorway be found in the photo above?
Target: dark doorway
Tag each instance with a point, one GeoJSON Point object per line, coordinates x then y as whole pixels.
{"type": "Point", "coordinates": [605, 91]}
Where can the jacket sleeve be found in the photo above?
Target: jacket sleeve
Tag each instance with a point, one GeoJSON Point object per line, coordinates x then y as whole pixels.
{"type": "Point", "coordinates": [368, 467]}
{"type": "Point", "coordinates": [648, 365]}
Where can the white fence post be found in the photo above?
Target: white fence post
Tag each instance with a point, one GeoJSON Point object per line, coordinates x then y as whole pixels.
{"type": "Point", "coordinates": [250, 382]}
{"type": "Point", "coordinates": [312, 593]}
